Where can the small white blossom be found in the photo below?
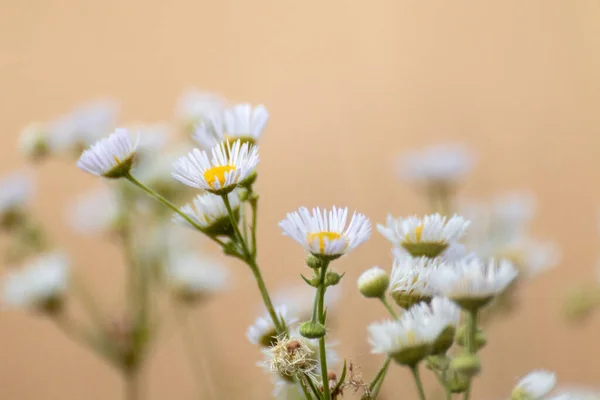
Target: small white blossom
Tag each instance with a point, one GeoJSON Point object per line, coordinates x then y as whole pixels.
{"type": "Point", "coordinates": [535, 385]}
{"type": "Point", "coordinates": [39, 284]}
{"type": "Point", "coordinates": [208, 211]}
{"type": "Point", "coordinates": [194, 106]}
{"type": "Point", "coordinates": [430, 229]}
{"type": "Point", "coordinates": [192, 277]}
{"type": "Point", "coordinates": [110, 157]}
{"type": "Point", "coordinates": [263, 331]}
{"type": "Point", "coordinates": [443, 164]}
{"type": "Point", "coordinates": [411, 277]}
{"type": "Point", "coordinates": [33, 141]}
{"type": "Point", "coordinates": [324, 232]}
{"type": "Point", "coordinates": [228, 166]}
{"type": "Point", "coordinates": [242, 121]}
{"type": "Point", "coordinates": [96, 211]}
{"type": "Point", "coordinates": [15, 189]}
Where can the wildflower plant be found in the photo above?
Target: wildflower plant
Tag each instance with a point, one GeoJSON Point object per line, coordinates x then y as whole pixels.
{"type": "Point", "coordinates": [440, 281]}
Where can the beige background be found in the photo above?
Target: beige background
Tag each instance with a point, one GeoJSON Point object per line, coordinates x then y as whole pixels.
{"type": "Point", "coordinates": [350, 85]}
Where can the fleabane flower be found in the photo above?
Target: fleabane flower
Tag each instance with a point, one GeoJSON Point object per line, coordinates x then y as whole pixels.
{"type": "Point", "coordinates": [240, 122]}
{"type": "Point", "coordinates": [210, 214]}
{"type": "Point", "coordinates": [324, 233]}
{"type": "Point", "coordinates": [96, 211]}
{"type": "Point", "coordinates": [111, 157]}
{"type": "Point", "coordinates": [193, 278]}
{"type": "Point", "coordinates": [195, 105]}
{"type": "Point", "coordinates": [438, 165]}
{"type": "Point", "coordinates": [38, 285]}
{"type": "Point", "coordinates": [228, 165]}
{"type": "Point", "coordinates": [33, 141]}
{"type": "Point", "coordinates": [291, 356]}
{"type": "Point", "coordinates": [410, 279]}
{"type": "Point", "coordinates": [262, 332]}
{"type": "Point", "coordinates": [473, 283]}
{"type": "Point", "coordinates": [534, 386]}
{"type": "Point", "coordinates": [16, 189]}
{"type": "Point", "coordinates": [449, 313]}
{"type": "Point", "coordinates": [428, 236]}
{"type": "Point", "coordinates": [409, 339]}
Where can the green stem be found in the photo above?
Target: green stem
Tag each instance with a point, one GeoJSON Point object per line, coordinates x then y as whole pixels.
{"type": "Point", "coordinates": [322, 350]}
{"type": "Point", "coordinates": [312, 386]}
{"type": "Point", "coordinates": [388, 307]}
{"type": "Point", "coordinates": [442, 380]}
{"type": "Point", "coordinates": [375, 386]}
{"type": "Point", "coordinates": [415, 372]}
{"type": "Point", "coordinates": [196, 359]}
{"type": "Point", "coordinates": [302, 384]}
{"type": "Point", "coordinates": [170, 205]}
{"type": "Point", "coordinates": [254, 205]}
{"type": "Point", "coordinates": [87, 300]}
{"type": "Point", "coordinates": [471, 346]}
{"type": "Point", "coordinates": [251, 261]}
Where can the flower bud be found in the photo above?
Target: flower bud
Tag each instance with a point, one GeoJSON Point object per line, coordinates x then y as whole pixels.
{"type": "Point", "coordinates": [373, 283]}
{"type": "Point", "coordinates": [466, 364]}
{"type": "Point", "coordinates": [312, 330]}
{"type": "Point", "coordinates": [313, 261]}
{"type": "Point", "coordinates": [332, 278]}
{"type": "Point", "coordinates": [458, 383]}
{"type": "Point", "coordinates": [480, 337]}
{"type": "Point", "coordinates": [249, 181]}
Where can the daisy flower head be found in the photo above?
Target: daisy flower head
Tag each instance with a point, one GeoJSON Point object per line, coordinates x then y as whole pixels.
{"type": "Point", "coordinates": [473, 283]}
{"type": "Point", "coordinates": [39, 285]}
{"type": "Point", "coordinates": [240, 122]}
{"type": "Point", "coordinates": [409, 339]}
{"type": "Point", "coordinates": [228, 166]}
{"type": "Point", "coordinates": [33, 141]}
{"type": "Point", "coordinates": [111, 157]}
{"type": "Point", "coordinates": [324, 233]}
{"type": "Point", "coordinates": [291, 356]}
{"type": "Point", "coordinates": [410, 280]}
{"type": "Point", "coordinates": [209, 213]}
{"type": "Point", "coordinates": [16, 189]}
{"type": "Point", "coordinates": [96, 211]}
{"type": "Point", "coordinates": [438, 165]}
{"type": "Point", "coordinates": [449, 313]}
{"type": "Point", "coordinates": [428, 236]}
{"type": "Point", "coordinates": [193, 278]}
{"type": "Point", "coordinates": [534, 386]}
{"type": "Point", "coordinates": [263, 333]}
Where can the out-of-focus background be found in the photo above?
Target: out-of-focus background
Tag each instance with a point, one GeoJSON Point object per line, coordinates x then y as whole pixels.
{"type": "Point", "coordinates": [350, 86]}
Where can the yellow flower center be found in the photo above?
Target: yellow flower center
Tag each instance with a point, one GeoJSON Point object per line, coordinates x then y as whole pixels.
{"type": "Point", "coordinates": [322, 236]}
{"type": "Point", "coordinates": [217, 174]}
{"type": "Point", "coordinates": [418, 234]}
{"type": "Point", "coordinates": [411, 337]}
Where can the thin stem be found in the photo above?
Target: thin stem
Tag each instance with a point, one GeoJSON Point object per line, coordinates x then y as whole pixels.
{"type": "Point", "coordinates": [132, 390]}
{"type": "Point", "coordinates": [375, 386]}
{"type": "Point", "coordinates": [251, 261]}
{"type": "Point", "coordinates": [442, 380]}
{"type": "Point", "coordinates": [254, 205]}
{"type": "Point", "coordinates": [322, 350]}
{"type": "Point", "coordinates": [170, 205]}
{"type": "Point", "coordinates": [388, 307]}
{"type": "Point", "coordinates": [471, 346]}
{"type": "Point", "coordinates": [415, 372]}
{"type": "Point", "coordinates": [302, 384]}
{"type": "Point", "coordinates": [87, 300]}
{"type": "Point", "coordinates": [312, 386]}
{"type": "Point", "coordinates": [196, 359]}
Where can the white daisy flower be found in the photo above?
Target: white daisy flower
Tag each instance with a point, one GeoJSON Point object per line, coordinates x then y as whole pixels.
{"type": "Point", "coordinates": [194, 278]}
{"type": "Point", "coordinates": [16, 189]}
{"type": "Point", "coordinates": [473, 283]}
{"type": "Point", "coordinates": [33, 141]}
{"type": "Point", "coordinates": [82, 126]}
{"type": "Point", "coordinates": [535, 386]}
{"type": "Point", "coordinates": [443, 164]}
{"type": "Point", "coordinates": [410, 279]}
{"type": "Point", "coordinates": [324, 233]}
{"type": "Point", "coordinates": [111, 157]}
{"type": "Point", "coordinates": [428, 236]}
{"type": "Point", "coordinates": [447, 311]}
{"type": "Point", "coordinates": [409, 339]}
{"type": "Point", "coordinates": [242, 121]}
{"type": "Point", "coordinates": [229, 166]}
{"type": "Point", "coordinates": [262, 332]}
{"type": "Point", "coordinates": [96, 211]}
{"type": "Point", "coordinates": [209, 212]}
{"type": "Point", "coordinates": [40, 284]}
{"type": "Point", "coordinates": [194, 106]}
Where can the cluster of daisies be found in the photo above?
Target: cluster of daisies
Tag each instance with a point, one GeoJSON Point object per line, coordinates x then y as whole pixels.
{"type": "Point", "coordinates": [443, 276]}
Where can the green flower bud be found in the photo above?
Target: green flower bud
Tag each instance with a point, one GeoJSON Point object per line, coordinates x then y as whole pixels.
{"type": "Point", "coordinates": [425, 249]}
{"type": "Point", "coordinates": [313, 261]}
{"type": "Point", "coordinates": [249, 181]}
{"type": "Point", "coordinates": [373, 283]}
{"type": "Point", "coordinates": [458, 383]}
{"type": "Point", "coordinates": [411, 356]}
{"type": "Point", "coordinates": [466, 364]}
{"type": "Point", "coordinates": [332, 278]}
{"type": "Point", "coordinates": [312, 330]}
{"type": "Point", "coordinates": [438, 363]}
{"type": "Point", "coordinates": [480, 337]}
